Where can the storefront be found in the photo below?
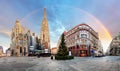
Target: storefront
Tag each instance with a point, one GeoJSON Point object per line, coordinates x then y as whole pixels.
{"type": "Point", "coordinates": [83, 52]}
{"type": "Point", "coordinates": [79, 51]}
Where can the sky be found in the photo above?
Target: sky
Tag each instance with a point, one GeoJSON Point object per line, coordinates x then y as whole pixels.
{"type": "Point", "coordinates": [102, 15]}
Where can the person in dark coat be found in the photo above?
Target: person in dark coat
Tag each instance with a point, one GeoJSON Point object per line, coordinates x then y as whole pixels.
{"type": "Point", "coordinates": [92, 53]}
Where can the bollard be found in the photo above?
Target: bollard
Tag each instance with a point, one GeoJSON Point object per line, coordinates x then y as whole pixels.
{"type": "Point", "coordinates": [52, 57]}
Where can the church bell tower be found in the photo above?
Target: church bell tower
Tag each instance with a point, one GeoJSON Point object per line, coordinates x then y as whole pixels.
{"type": "Point", "coordinates": [44, 33]}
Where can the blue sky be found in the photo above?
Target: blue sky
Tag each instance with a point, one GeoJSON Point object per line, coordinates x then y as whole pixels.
{"type": "Point", "coordinates": [62, 15]}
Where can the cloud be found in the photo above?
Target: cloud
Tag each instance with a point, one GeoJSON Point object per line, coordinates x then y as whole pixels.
{"type": "Point", "coordinates": [56, 29]}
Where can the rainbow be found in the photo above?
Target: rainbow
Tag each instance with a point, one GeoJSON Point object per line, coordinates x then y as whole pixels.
{"type": "Point", "coordinates": [104, 35]}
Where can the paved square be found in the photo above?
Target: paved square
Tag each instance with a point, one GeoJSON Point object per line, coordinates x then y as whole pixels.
{"type": "Point", "coordinates": [108, 63]}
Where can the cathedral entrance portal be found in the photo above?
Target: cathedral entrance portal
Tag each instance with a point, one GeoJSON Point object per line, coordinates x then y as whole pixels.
{"type": "Point", "coordinates": [20, 50]}
{"type": "Point", "coordinates": [24, 51]}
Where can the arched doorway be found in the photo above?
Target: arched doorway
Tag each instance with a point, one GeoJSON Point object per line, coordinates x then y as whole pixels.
{"type": "Point", "coordinates": [20, 50]}
{"type": "Point", "coordinates": [24, 51]}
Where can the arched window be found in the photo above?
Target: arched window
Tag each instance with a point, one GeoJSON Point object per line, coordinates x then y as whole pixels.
{"type": "Point", "coordinates": [43, 37]}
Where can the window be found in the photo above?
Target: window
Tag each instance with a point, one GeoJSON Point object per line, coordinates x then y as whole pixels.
{"type": "Point", "coordinates": [83, 35]}
{"type": "Point", "coordinates": [77, 36]}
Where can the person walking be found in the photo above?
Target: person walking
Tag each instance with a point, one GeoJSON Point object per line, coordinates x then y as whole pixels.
{"type": "Point", "coordinates": [51, 57]}
{"type": "Point", "coordinates": [92, 53]}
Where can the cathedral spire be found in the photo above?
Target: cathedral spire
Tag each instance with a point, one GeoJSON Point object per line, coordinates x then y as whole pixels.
{"type": "Point", "coordinates": [17, 28]}
{"type": "Point", "coordinates": [44, 12]}
{"type": "Point", "coordinates": [44, 32]}
{"type": "Point", "coordinates": [17, 23]}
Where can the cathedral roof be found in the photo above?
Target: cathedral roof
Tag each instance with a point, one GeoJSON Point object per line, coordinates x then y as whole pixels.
{"type": "Point", "coordinates": [17, 23]}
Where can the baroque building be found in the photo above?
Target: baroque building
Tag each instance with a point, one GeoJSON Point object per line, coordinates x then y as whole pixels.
{"type": "Point", "coordinates": [81, 39]}
{"type": "Point", "coordinates": [114, 48]}
{"type": "Point", "coordinates": [44, 33]}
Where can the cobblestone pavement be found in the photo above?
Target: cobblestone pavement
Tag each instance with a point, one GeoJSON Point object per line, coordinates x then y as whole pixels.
{"type": "Point", "coordinates": [108, 63]}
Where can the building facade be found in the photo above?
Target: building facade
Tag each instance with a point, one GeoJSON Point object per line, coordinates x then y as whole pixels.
{"type": "Point", "coordinates": [22, 41]}
{"type": "Point", "coordinates": [81, 39]}
{"type": "Point", "coordinates": [19, 41]}
{"type": "Point", "coordinates": [8, 52]}
{"type": "Point", "coordinates": [44, 33]}
{"type": "Point", "coordinates": [54, 50]}
{"type": "Point", "coordinates": [1, 50]}
{"type": "Point", "coordinates": [114, 48]}
{"type": "Point", "coordinates": [31, 38]}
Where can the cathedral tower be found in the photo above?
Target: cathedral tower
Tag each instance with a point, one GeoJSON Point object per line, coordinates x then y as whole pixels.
{"type": "Point", "coordinates": [44, 32]}
{"type": "Point", "coordinates": [19, 40]}
{"type": "Point", "coordinates": [17, 28]}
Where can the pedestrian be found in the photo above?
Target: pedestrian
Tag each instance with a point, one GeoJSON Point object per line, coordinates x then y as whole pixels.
{"type": "Point", "coordinates": [52, 57]}
{"type": "Point", "coordinates": [38, 55]}
{"type": "Point", "coordinates": [92, 53]}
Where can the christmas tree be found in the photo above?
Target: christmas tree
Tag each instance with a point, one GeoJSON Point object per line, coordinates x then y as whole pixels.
{"type": "Point", "coordinates": [63, 52]}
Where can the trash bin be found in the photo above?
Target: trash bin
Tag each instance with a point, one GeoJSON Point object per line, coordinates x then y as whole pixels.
{"type": "Point", "coordinates": [38, 55]}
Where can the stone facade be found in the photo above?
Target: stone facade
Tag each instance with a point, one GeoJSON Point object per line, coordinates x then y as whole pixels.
{"type": "Point", "coordinates": [54, 50]}
{"type": "Point", "coordinates": [1, 50]}
{"type": "Point", "coordinates": [19, 45]}
{"type": "Point", "coordinates": [23, 42]}
{"type": "Point", "coordinates": [114, 48]}
{"type": "Point", "coordinates": [8, 52]}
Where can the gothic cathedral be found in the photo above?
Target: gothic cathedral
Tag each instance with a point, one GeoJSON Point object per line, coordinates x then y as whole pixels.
{"type": "Point", "coordinates": [44, 33]}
